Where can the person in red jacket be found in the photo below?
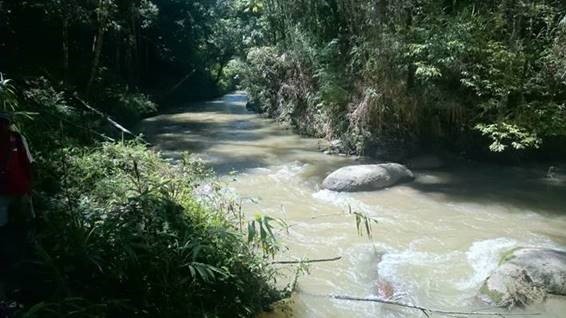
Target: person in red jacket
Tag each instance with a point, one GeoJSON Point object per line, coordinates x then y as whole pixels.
{"type": "Point", "coordinates": [15, 174]}
{"type": "Point", "coordinates": [16, 210]}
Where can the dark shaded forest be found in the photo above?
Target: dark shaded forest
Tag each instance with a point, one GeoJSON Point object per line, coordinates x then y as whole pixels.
{"type": "Point", "coordinates": [107, 50]}
{"type": "Point", "coordinates": [382, 74]}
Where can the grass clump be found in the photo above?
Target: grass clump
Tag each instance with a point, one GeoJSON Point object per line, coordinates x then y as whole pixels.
{"type": "Point", "coordinates": [123, 236]}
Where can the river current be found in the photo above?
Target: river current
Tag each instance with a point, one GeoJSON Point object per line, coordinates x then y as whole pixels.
{"type": "Point", "coordinates": [437, 239]}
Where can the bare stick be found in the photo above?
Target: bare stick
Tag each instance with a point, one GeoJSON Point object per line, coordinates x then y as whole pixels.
{"type": "Point", "coordinates": [179, 83]}
{"type": "Point", "coordinates": [309, 261]}
{"type": "Point", "coordinates": [114, 123]}
{"type": "Point", "coordinates": [426, 311]}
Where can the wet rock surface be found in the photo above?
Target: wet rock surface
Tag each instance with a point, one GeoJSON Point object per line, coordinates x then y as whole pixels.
{"type": "Point", "coordinates": [367, 177]}
{"type": "Point", "coordinates": [526, 276]}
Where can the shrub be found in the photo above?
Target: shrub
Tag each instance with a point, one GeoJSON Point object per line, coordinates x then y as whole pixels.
{"type": "Point", "coordinates": [263, 75]}
{"type": "Point", "coordinates": [8, 100]}
{"type": "Point", "coordinates": [124, 236]}
{"type": "Point", "coordinates": [126, 105]}
{"type": "Point", "coordinates": [49, 118]}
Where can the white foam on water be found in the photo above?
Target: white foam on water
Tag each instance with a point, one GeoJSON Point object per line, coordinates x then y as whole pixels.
{"type": "Point", "coordinates": [429, 179]}
{"type": "Point", "coordinates": [288, 172]}
{"type": "Point", "coordinates": [344, 201]}
{"type": "Point", "coordinates": [208, 194]}
{"type": "Point", "coordinates": [308, 235]}
{"type": "Point", "coordinates": [483, 257]}
{"type": "Point", "coordinates": [397, 268]}
{"type": "Point", "coordinates": [259, 171]}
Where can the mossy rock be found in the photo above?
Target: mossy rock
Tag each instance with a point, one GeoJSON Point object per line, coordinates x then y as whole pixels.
{"type": "Point", "coordinates": [525, 276]}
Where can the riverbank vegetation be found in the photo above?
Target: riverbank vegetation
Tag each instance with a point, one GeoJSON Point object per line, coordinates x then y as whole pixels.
{"type": "Point", "coordinates": [136, 242]}
{"type": "Point", "coordinates": [120, 232]}
{"type": "Point", "coordinates": [389, 78]}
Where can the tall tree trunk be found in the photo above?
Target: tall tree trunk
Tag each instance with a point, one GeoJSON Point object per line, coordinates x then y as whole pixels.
{"type": "Point", "coordinates": [412, 68]}
{"type": "Point", "coordinates": [383, 15]}
{"type": "Point", "coordinates": [98, 42]}
{"type": "Point", "coordinates": [65, 48]}
{"type": "Point", "coordinates": [146, 46]}
{"type": "Point", "coordinates": [118, 58]}
{"type": "Point", "coordinates": [133, 58]}
{"type": "Point", "coordinates": [103, 16]}
{"type": "Point", "coordinates": [512, 23]}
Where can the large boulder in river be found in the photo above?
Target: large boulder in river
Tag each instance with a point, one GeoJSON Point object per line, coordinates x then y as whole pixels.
{"type": "Point", "coordinates": [525, 276]}
{"type": "Point", "coordinates": [367, 177]}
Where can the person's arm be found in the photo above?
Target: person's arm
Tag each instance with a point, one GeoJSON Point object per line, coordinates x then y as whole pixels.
{"type": "Point", "coordinates": [27, 160]}
{"type": "Point", "coordinates": [26, 148]}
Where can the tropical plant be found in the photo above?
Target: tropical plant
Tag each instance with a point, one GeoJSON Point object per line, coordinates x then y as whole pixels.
{"type": "Point", "coordinates": [137, 243]}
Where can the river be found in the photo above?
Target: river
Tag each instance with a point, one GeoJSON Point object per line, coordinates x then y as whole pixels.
{"type": "Point", "coordinates": [437, 238]}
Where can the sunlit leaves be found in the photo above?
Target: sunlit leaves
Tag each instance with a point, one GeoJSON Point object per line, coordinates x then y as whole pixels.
{"type": "Point", "coordinates": [149, 13]}
{"type": "Point", "coordinates": [255, 6]}
{"type": "Point", "coordinates": [427, 72]}
{"type": "Point", "coordinates": [505, 135]}
{"type": "Point", "coordinates": [8, 99]}
{"type": "Point", "coordinates": [260, 233]}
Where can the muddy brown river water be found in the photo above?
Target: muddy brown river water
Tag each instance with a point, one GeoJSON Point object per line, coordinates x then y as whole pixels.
{"type": "Point", "coordinates": [437, 239]}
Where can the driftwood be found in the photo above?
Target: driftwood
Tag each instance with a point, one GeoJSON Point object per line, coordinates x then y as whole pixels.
{"type": "Point", "coordinates": [310, 261]}
{"type": "Point", "coordinates": [70, 123]}
{"type": "Point", "coordinates": [179, 83]}
{"type": "Point", "coordinates": [426, 311]}
{"type": "Point", "coordinates": [115, 124]}
{"type": "Point", "coordinates": [92, 131]}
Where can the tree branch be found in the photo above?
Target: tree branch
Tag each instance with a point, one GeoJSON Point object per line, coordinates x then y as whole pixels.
{"type": "Point", "coordinates": [105, 116]}
{"type": "Point", "coordinates": [179, 83]}
{"type": "Point", "coordinates": [309, 261]}
{"type": "Point", "coordinates": [426, 311]}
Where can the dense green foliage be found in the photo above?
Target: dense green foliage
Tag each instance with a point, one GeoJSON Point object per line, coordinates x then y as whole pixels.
{"type": "Point", "coordinates": [415, 72]}
{"type": "Point", "coordinates": [136, 243]}
{"type": "Point", "coordinates": [121, 232]}
{"type": "Point", "coordinates": [170, 48]}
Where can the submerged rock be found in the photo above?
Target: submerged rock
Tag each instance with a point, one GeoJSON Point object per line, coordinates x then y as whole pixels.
{"type": "Point", "coordinates": [425, 162]}
{"type": "Point", "coordinates": [367, 177]}
{"type": "Point", "coordinates": [525, 277]}
{"type": "Point", "coordinates": [332, 147]}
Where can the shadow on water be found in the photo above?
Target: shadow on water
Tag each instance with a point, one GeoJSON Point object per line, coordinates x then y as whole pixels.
{"type": "Point", "coordinates": [239, 100]}
{"type": "Point", "coordinates": [231, 138]}
{"type": "Point", "coordinates": [228, 137]}
{"type": "Point", "coordinates": [520, 189]}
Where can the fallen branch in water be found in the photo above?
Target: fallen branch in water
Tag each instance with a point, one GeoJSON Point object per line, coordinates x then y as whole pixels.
{"type": "Point", "coordinates": [426, 311]}
{"type": "Point", "coordinates": [309, 261]}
